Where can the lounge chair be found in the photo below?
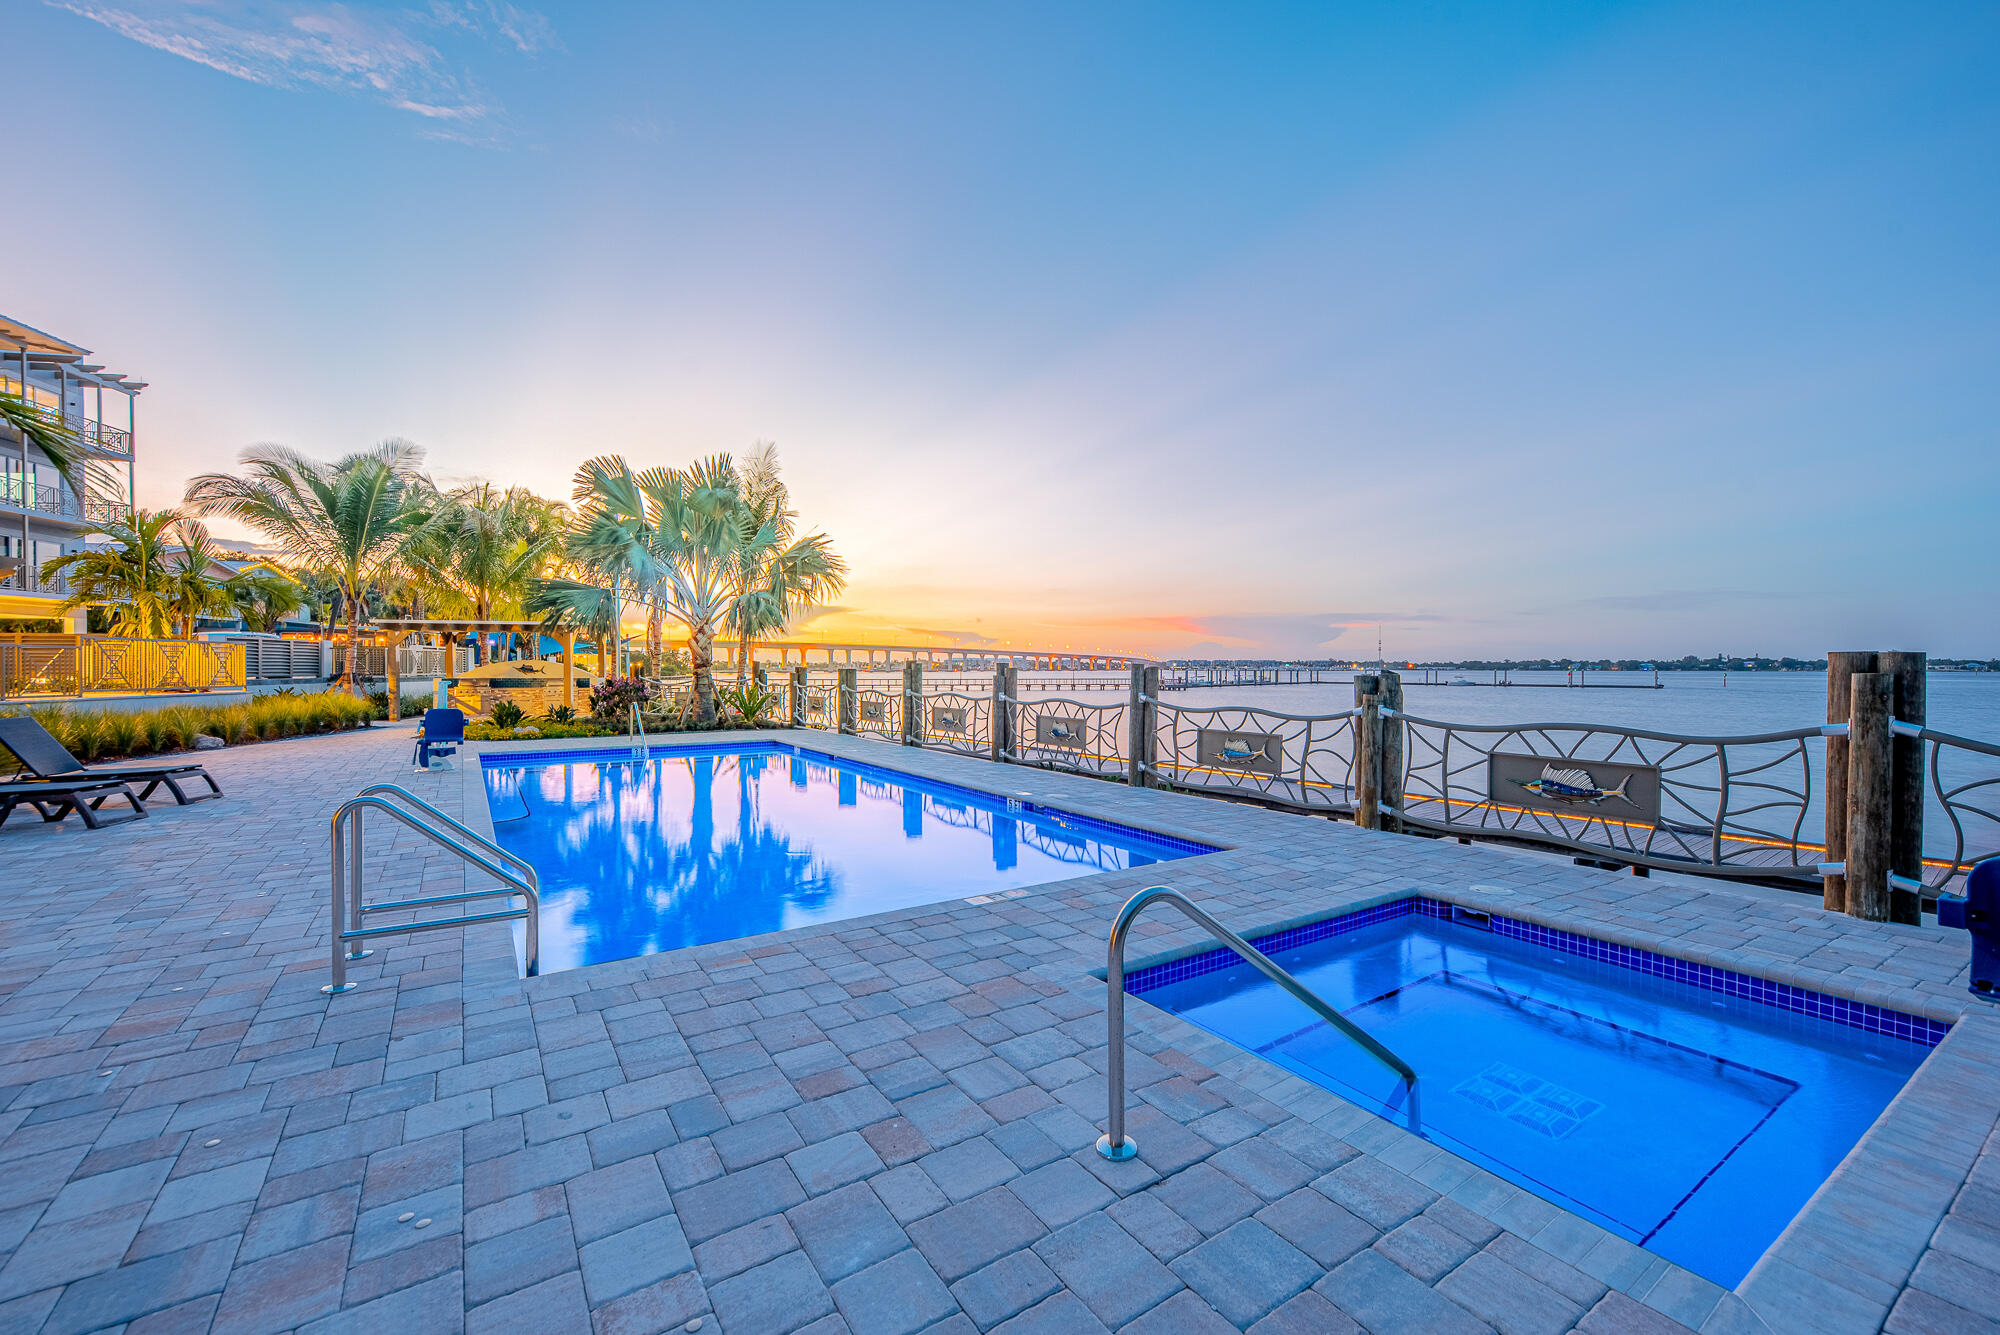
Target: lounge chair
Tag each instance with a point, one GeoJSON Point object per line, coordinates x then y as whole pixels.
{"type": "Point", "coordinates": [42, 756]}
{"type": "Point", "coordinates": [438, 739]}
{"type": "Point", "coordinates": [56, 798]}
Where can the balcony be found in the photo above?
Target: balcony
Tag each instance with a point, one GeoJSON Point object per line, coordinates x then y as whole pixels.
{"type": "Point", "coordinates": [57, 500]}
{"type": "Point", "coordinates": [14, 579]}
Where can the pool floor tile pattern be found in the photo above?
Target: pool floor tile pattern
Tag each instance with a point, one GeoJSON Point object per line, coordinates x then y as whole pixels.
{"type": "Point", "coordinates": [875, 1126]}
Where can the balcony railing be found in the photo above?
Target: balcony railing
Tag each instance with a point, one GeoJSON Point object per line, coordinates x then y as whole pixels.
{"type": "Point", "coordinates": [25, 579]}
{"type": "Point", "coordinates": [57, 667]}
{"type": "Point", "coordinates": [56, 500]}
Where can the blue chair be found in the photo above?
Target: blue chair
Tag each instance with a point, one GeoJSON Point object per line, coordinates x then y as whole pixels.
{"type": "Point", "coordinates": [443, 730]}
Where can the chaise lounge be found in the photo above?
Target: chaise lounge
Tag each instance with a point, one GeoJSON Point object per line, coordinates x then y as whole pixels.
{"type": "Point", "coordinates": [48, 760]}
{"type": "Point", "coordinates": [56, 798]}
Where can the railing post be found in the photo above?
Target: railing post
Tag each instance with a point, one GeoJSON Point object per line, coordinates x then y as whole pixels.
{"type": "Point", "coordinates": [1368, 763]}
{"type": "Point", "coordinates": [1142, 751]}
{"type": "Point", "coordinates": [1389, 753]}
{"type": "Point", "coordinates": [1841, 666]}
{"type": "Point", "coordinates": [1870, 772]}
{"type": "Point", "coordinates": [913, 703]}
{"type": "Point", "coordinates": [800, 683]}
{"type": "Point", "coordinates": [850, 701]}
{"type": "Point", "coordinates": [1906, 784]}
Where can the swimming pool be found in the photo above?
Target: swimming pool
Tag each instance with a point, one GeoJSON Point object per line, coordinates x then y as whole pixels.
{"type": "Point", "coordinates": [712, 842]}
{"type": "Point", "coordinates": [1687, 1109]}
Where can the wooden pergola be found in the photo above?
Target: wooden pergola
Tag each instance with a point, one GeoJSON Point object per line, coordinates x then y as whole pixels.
{"type": "Point", "coordinates": [401, 628]}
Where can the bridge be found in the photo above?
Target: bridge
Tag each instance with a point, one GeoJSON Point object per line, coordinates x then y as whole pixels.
{"type": "Point", "coordinates": [837, 654]}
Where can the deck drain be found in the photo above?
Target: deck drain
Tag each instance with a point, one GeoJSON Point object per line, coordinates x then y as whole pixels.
{"type": "Point", "coordinates": [406, 1216]}
{"type": "Point", "coordinates": [421, 1223]}
{"type": "Point", "coordinates": [211, 1144]}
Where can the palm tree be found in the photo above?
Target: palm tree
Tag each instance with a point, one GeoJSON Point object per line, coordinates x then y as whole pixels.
{"type": "Point", "coordinates": [777, 575]}
{"type": "Point", "coordinates": [673, 536]}
{"type": "Point", "coordinates": [191, 592]}
{"type": "Point", "coordinates": [348, 520]}
{"type": "Point", "coordinates": [262, 597]}
{"type": "Point", "coordinates": [482, 546]}
{"type": "Point", "coordinates": [133, 574]}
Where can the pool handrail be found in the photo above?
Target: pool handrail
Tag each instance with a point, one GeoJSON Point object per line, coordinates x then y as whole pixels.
{"type": "Point", "coordinates": [348, 886]}
{"type": "Point", "coordinates": [1115, 1144]}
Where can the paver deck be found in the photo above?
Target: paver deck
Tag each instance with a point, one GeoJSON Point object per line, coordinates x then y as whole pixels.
{"type": "Point", "coordinates": [880, 1126]}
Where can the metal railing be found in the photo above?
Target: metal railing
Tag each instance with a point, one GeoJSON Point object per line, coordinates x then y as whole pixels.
{"type": "Point", "coordinates": [349, 884]}
{"type": "Point", "coordinates": [46, 500]}
{"type": "Point", "coordinates": [639, 731]}
{"type": "Point", "coordinates": [1952, 773]}
{"type": "Point", "coordinates": [24, 578]}
{"type": "Point", "coordinates": [1115, 1144]}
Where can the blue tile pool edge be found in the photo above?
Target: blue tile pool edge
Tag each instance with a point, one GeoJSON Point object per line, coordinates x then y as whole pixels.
{"type": "Point", "coordinates": [1181, 844]}
{"type": "Point", "coordinates": [1861, 1015]}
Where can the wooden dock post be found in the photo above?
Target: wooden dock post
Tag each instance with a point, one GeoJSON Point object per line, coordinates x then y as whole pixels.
{"type": "Point", "coordinates": [801, 682]}
{"type": "Point", "coordinates": [1389, 750]}
{"type": "Point", "coordinates": [1368, 764]}
{"type": "Point", "coordinates": [913, 702]}
{"type": "Point", "coordinates": [1142, 717]}
{"type": "Point", "coordinates": [850, 701]}
{"type": "Point", "coordinates": [1906, 784]}
{"type": "Point", "coordinates": [1005, 681]}
{"type": "Point", "coordinates": [1870, 774]}
{"type": "Point", "coordinates": [1841, 665]}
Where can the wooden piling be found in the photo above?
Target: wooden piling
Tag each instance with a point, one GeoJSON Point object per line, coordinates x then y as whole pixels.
{"type": "Point", "coordinates": [801, 682]}
{"type": "Point", "coordinates": [1389, 781]}
{"type": "Point", "coordinates": [913, 703]}
{"type": "Point", "coordinates": [1841, 665]}
{"type": "Point", "coordinates": [1005, 681]}
{"type": "Point", "coordinates": [1906, 783]}
{"type": "Point", "coordinates": [1137, 713]}
{"type": "Point", "coordinates": [850, 701]}
{"type": "Point", "coordinates": [1368, 764]}
{"type": "Point", "coordinates": [1870, 772]}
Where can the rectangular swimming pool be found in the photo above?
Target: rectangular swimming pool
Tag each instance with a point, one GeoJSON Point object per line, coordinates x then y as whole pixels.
{"type": "Point", "coordinates": [712, 842]}
{"type": "Point", "coordinates": [1687, 1109]}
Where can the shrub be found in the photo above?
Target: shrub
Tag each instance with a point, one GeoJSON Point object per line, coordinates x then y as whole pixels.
{"type": "Point", "coordinates": [614, 697]}
{"type": "Point", "coordinates": [94, 734]}
{"type": "Point", "coordinates": [506, 714]}
{"type": "Point", "coordinates": [490, 732]}
{"type": "Point", "coordinates": [561, 714]}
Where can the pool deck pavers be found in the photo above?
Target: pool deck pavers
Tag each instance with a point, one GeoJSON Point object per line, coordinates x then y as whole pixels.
{"type": "Point", "coordinates": [879, 1126]}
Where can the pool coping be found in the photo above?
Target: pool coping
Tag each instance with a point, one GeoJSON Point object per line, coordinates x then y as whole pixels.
{"type": "Point", "coordinates": [1840, 1264]}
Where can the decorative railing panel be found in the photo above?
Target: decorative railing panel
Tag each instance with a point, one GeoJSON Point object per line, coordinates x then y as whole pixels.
{"type": "Point", "coordinates": [57, 667]}
{"type": "Point", "coordinates": [24, 578]}
{"type": "Point", "coordinates": [878, 709]}
{"type": "Point", "coordinates": [958, 721]}
{"type": "Point", "coordinates": [1067, 734]}
{"type": "Point", "coordinates": [1730, 805]}
{"type": "Point", "coordinates": [1962, 777]}
{"type": "Point", "coordinates": [1296, 760]}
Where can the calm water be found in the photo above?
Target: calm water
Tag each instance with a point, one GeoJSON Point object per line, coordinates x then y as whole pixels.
{"type": "Point", "coordinates": [1693, 1123]}
{"type": "Point", "coordinates": [718, 842]}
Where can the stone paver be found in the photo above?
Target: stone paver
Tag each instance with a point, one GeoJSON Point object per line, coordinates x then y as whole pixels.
{"type": "Point", "coordinates": [882, 1125]}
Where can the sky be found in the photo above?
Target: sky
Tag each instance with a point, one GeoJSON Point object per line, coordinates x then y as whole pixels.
{"type": "Point", "coordinates": [1185, 329]}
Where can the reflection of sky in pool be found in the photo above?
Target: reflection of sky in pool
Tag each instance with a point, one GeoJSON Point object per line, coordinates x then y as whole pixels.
{"type": "Point", "coordinates": [721, 842]}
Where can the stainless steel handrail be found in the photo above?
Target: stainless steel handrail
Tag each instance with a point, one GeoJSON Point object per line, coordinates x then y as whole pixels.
{"type": "Point", "coordinates": [1115, 1144]}
{"type": "Point", "coordinates": [639, 729]}
{"type": "Point", "coordinates": [457, 826]}
{"type": "Point", "coordinates": [348, 906]}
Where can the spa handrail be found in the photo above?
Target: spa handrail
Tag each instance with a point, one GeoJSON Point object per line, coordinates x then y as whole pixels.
{"type": "Point", "coordinates": [1115, 1144]}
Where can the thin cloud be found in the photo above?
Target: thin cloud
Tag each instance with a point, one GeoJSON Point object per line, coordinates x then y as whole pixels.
{"type": "Point", "coordinates": [333, 46]}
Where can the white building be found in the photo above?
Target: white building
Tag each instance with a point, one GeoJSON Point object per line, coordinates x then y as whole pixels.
{"type": "Point", "coordinates": [41, 514]}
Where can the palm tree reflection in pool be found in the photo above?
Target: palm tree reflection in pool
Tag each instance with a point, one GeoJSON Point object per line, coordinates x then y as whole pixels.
{"type": "Point", "coordinates": [675, 882]}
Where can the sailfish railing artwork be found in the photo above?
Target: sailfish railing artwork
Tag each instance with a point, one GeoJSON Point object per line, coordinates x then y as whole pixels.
{"type": "Point", "coordinates": [1745, 807]}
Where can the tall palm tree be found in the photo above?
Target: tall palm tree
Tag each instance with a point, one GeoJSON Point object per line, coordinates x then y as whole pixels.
{"type": "Point", "coordinates": [673, 536]}
{"type": "Point", "coordinates": [191, 592]}
{"type": "Point", "coordinates": [348, 520]}
{"type": "Point", "coordinates": [777, 574]}
{"type": "Point", "coordinates": [132, 574]}
{"type": "Point", "coordinates": [482, 546]}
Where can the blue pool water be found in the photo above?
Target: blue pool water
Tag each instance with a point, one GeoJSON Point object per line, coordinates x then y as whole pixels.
{"type": "Point", "coordinates": [709, 843]}
{"type": "Point", "coordinates": [1683, 1108]}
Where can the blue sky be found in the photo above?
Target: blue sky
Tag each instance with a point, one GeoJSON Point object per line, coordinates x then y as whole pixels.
{"type": "Point", "coordinates": [1520, 329]}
